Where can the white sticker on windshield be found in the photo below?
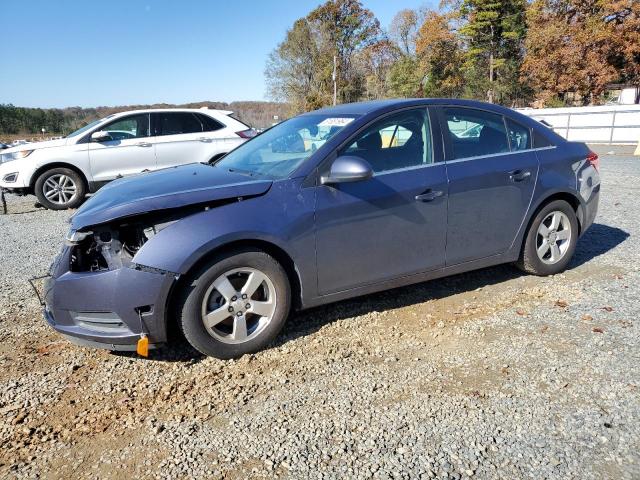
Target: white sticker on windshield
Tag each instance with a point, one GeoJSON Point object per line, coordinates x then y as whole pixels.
{"type": "Point", "coordinates": [335, 122]}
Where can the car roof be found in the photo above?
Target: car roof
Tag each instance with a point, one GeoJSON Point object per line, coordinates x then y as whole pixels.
{"type": "Point", "coordinates": [168, 109]}
{"type": "Point", "coordinates": [379, 106]}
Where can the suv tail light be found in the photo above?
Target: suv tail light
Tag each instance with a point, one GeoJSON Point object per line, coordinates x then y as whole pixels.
{"type": "Point", "coordinates": [593, 159]}
{"type": "Point", "coordinates": [250, 133]}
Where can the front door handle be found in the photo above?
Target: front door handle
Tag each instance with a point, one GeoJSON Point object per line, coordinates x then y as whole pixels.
{"type": "Point", "coordinates": [429, 195]}
{"type": "Point", "coordinates": [144, 144]}
{"type": "Point", "coordinates": [519, 175]}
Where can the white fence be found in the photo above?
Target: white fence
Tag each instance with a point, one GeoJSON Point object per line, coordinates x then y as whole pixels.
{"type": "Point", "coordinates": [608, 124]}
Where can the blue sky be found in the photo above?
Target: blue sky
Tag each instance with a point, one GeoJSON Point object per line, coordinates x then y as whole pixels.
{"type": "Point", "coordinates": [120, 52]}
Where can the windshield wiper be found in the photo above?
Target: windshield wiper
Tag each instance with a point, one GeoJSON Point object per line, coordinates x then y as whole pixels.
{"type": "Point", "coordinates": [244, 172]}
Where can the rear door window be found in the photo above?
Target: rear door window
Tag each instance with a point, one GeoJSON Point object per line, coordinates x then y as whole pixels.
{"type": "Point", "coordinates": [176, 123]}
{"type": "Point", "coordinates": [472, 132]}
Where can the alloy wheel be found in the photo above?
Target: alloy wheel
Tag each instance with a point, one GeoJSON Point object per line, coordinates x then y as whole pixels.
{"type": "Point", "coordinates": [238, 305]}
{"type": "Point", "coordinates": [553, 237]}
{"type": "Point", "coordinates": [59, 189]}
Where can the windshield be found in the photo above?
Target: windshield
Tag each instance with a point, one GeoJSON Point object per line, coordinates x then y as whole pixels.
{"type": "Point", "coordinates": [85, 128]}
{"type": "Point", "coordinates": [281, 149]}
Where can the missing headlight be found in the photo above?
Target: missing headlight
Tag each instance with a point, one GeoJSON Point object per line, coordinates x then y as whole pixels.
{"type": "Point", "coordinates": [110, 247]}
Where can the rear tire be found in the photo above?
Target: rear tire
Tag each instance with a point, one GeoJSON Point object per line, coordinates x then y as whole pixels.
{"type": "Point", "coordinates": [60, 188]}
{"type": "Point", "coordinates": [551, 240]}
{"type": "Point", "coordinates": [236, 304]}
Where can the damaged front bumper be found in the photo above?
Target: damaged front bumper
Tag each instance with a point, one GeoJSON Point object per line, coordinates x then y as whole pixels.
{"type": "Point", "coordinates": [107, 308]}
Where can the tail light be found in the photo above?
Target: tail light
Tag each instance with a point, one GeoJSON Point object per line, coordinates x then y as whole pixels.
{"type": "Point", "coordinates": [250, 133]}
{"type": "Point", "coordinates": [593, 159]}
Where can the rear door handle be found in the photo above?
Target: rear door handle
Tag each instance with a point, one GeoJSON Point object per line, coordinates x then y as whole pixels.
{"type": "Point", "coordinates": [519, 175]}
{"type": "Point", "coordinates": [144, 144]}
{"type": "Point", "coordinates": [205, 140]}
{"type": "Point", "coordinates": [429, 195]}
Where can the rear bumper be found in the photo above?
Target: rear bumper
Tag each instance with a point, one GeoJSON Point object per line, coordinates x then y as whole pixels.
{"type": "Point", "coordinates": [107, 309]}
{"type": "Point", "coordinates": [590, 210]}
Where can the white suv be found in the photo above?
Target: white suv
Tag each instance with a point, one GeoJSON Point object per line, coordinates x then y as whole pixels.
{"type": "Point", "coordinates": [61, 172]}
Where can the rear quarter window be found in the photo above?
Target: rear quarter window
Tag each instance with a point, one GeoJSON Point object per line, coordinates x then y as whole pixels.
{"type": "Point", "coordinates": [209, 124]}
{"type": "Point", "coordinates": [540, 141]}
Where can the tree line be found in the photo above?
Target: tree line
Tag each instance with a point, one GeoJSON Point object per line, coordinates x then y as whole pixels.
{"type": "Point", "coordinates": [513, 52]}
{"type": "Point", "coordinates": [29, 121]}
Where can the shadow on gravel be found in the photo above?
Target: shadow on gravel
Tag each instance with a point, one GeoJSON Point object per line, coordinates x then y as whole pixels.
{"type": "Point", "coordinates": [22, 212]}
{"type": "Point", "coordinates": [598, 240]}
{"type": "Point", "coordinates": [177, 350]}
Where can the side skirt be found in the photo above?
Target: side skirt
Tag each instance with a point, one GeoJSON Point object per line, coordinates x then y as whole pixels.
{"type": "Point", "coordinates": [411, 279]}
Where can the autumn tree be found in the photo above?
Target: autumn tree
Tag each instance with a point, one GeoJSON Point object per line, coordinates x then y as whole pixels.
{"type": "Point", "coordinates": [300, 69]}
{"type": "Point", "coordinates": [292, 69]}
{"type": "Point", "coordinates": [581, 46]}
{"type": "Point", "coordinates": [405, 78]}
{"type": "Point", "coordinates": [623, 19]}
{"type": "Point", "coordinates": [493, 32]}
{"type": "Point", "coordinates": [439, 56]}
{"type": "Point", "coordinates": [404, 30]}
{"type": "Point", "coordinates": [375, 63]}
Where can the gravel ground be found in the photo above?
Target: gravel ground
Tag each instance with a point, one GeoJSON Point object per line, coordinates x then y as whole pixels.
{"type": "Point", "coordinates": [490, 374]}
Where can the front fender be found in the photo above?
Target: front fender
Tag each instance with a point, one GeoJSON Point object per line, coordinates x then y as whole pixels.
{"type": "Point", "coordinates": [282, 217]}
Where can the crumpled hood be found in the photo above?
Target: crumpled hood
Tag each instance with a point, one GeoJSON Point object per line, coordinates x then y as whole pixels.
{"type": "Point", "coordinates": [165, 189]}
{"type": "Point", "coordinates": [36, 145]}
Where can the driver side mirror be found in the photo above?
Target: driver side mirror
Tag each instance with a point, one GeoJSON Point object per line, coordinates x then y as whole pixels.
{"type": "Point", "coordinates": [100, 136]}
{"type": "Point", "coordinates": [347, 168]}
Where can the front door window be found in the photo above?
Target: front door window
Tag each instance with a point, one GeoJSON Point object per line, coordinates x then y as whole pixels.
{"type": "Point", "coordinates": [134, 126]}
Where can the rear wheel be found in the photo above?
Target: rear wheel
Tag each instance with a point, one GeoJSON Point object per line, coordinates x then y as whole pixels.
{"type": "Point", "coordinates": [60, 188]}
{"type": "Point", "coordinates": [235, 305]}
{"type": "Point", "coordinates": [551, 240]}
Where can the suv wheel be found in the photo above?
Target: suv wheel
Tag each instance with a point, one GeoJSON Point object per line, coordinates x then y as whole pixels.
{"type": "Point", "coordinates": [551, 240]}
{"type": "Point", "coordinates": [60, 188]}
{"type": "Point", "coordinates": [235, 305]}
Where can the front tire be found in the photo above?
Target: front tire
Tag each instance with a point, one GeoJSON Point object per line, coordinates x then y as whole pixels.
{"type": "Point", "coordinates": [236, 304]}
{"type": "Point", "coordinates": [60, 188]}
{"type": "Point", "coordinates": [551, 240]}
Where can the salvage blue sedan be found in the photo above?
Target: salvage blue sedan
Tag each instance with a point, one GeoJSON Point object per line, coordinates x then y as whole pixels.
{"type": "Point", "coordinates": [329, 205]}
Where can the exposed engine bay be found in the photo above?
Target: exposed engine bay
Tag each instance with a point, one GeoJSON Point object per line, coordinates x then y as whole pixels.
{"type": "Point", "coordinates": [111, 246]}
{"type": "Point", "coordinates": [108, 247]}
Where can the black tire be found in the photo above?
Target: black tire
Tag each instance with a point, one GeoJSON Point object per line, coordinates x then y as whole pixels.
{"type": "Point", "coordinates": [58, 202]}
{"type": "Point", "coordinates": [189, 308]}
{"type": "Point", "coordinates": [530, 261]}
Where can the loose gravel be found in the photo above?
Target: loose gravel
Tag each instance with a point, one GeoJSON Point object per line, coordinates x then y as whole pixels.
{"type": "Point", "coordinates": [490, 374]}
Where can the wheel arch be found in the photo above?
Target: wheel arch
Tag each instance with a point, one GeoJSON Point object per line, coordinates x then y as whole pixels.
{"type": "Point", "coordinates": [50, 166]}
{"type": "Point", "coordinates": [280, 255]}
{"type": "Point", "coordinates": [569, 197]}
